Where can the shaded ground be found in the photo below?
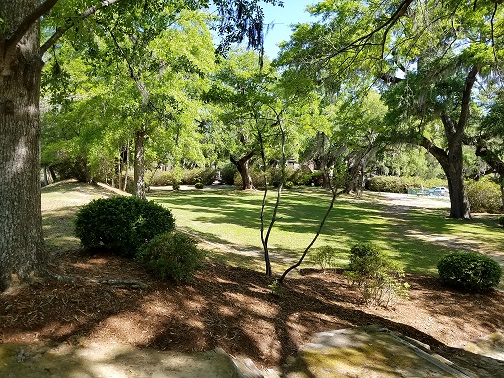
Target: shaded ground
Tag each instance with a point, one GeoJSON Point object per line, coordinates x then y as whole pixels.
{"type": "Point", "coordinates": [231, 308]}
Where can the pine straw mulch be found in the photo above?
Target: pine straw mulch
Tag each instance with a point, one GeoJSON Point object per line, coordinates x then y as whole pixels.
{"type": "Point", "coordinates": [231, 308]}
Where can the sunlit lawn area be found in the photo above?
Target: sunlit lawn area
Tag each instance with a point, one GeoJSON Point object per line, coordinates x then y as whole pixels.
{"type": "Point", "coordinates": [416, 237]}
{"type": "Point", "coordinates": [229, 221]}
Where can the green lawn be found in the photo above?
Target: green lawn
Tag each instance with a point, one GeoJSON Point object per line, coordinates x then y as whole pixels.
{"type": "Point", "coordinates": [415, 237]}
{"type": "Point", "coordinates": [228, 221]}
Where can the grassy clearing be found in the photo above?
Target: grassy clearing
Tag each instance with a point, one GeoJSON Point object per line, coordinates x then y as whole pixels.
{"type": "Point", "coordinates": [416, 237]}
{"type": "Point", "coordinates": [228, 221]}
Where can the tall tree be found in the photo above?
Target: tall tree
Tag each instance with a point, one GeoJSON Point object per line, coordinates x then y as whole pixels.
{"type": "Point", "coordinates": [242, 90]}
{"type": "Point", "coordinates": [21, 53]}
{"type": "Point", "coordinates": [444, 48]}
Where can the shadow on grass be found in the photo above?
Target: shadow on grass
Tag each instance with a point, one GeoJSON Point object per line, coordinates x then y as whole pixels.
{"type": "Point", "coordinates": [417, 237]}
{"type": "Point", "coordinates": [58, 227]}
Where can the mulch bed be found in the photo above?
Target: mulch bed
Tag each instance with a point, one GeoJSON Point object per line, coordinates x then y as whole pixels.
{"type": "Point", "coordinates": [97, 297]}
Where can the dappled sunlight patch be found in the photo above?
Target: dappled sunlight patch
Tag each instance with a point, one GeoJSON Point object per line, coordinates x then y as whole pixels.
{"type": "Point", "coordinates": [196, 303]}
{"type": "Point", "coordinates": [250, 304]}
{"type": "Point", "coordinates": [157, 306]}
{"type": "Point", "coordinates": [129, 327]}
{"type": "Point", "coordinates": [260, 331]}
{"type": "Point", "coordinates": [445, 240]}
{"type": "Point", "coordinates": [299, 324]}
{"type": "Point", "coordinates": [60, 328]}
{"type": "Point", "coordinates": [227, 311]}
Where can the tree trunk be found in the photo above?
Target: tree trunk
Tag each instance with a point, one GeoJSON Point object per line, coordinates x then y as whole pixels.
{"type": "Point", "coordinates": [139, 164]}
{"type": "Point", "coordinates": [242, 165]}
{"type": "Point", "coordinates": [502, 193]}
{"type": "Point", "coordinates": [46, 179]}
{"type": "Point", "coordinates": [125, 188]}
{"type": "Point", "coordinates": [452, 164]}
{"type": "Point", "coordinates": [21, 243]}
{"type": "Point", "coordinates": [53, 174]}
{"type": "Point", "coordinates": [119, 171]}
{"type": "Point", "coordinates": [459, 204]}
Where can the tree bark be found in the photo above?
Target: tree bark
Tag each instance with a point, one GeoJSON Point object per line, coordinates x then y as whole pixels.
{"type": "Point", "coordinates": [125, 188]}
{"type": "Point", "coordinates": [21, 243]}
{"type": "Point", "coordinates": [452, 164]}
{"type": "Point", "coordinates": [242, 165]}
{"type": "Point", "coordinates": [139, 164]}
{"type": "Point", "coordinates": [53, 174]}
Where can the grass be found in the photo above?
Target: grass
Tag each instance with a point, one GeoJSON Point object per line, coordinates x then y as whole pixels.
{"type": "Point", "coordinates": [229, 223]}
{"type": "Point", "coordinates": [416, 237]}
{"type": "Point", "coordinates": [60, 203]}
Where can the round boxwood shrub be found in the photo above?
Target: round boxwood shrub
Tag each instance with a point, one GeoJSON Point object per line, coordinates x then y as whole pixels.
{"type": "Point", "coordinates": [171, 256]}
{"type": "Point", "coordinates": [121, 224]}
{"type": "Point", "coordinates": [469, 271]}
{"type": "Point", "coordinates": [199, 185]}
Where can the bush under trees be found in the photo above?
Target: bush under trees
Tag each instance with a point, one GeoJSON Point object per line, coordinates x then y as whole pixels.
{"type": "Point", "coordinates": [395, 184]}
{"type": "Point", "coordinates": [469, 271]}
{"type": "Point", "coordinates": [121, 225]}
{"type": "Point", "coordinates": [377, 277]}
{"type": "Point", "coordinates": [484, 196]}
{"type": "Point", "coordinates": [171, 256]}
{"type": "Point", "coordinates": [185, 177]}
{"type": "Point", "coordinates": [324, 256]}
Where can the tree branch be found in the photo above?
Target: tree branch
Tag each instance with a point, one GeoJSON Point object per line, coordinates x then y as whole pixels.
{"type": "Point", "coordinates": [319, 230]}
{"type": "Point", "coordinates": [492, 30]}
{"type": "Point", "coordinates": [29, 20]}
{"type": "Point", "coordinates": [71, 23]}
{"type": "Point", "coordinates": [466, 98]}
{"type": "Point", "coordinates": [440, 154]}
{"type": "Point", "coordinates": [400, 11]}
{"type": "Point", "coordinates": [490, 157]}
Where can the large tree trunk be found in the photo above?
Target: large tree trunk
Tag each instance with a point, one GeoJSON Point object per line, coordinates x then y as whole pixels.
{"type": "Point", "coordinates": [242, 165]}
{"type": "Point", "coordinates": [459, 203]}
{"type": "Point", "coordinates": [139, 164]}
{"type": "Point", "coordinates": [452, 164]}
{"type": "Point", "coordinates": [21, 249]}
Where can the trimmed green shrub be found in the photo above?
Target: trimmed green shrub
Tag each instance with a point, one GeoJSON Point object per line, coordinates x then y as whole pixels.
{"type": "Point", "coordinates": [394, 184]}
{"type": "Point", "coordinates": [377, 277]}
{"type": "Point", "coordinates": [469, 271]}
{"type": "Point", "coordinates": [227, 173]}
{"type": "Point", "coordinates": [196, 175]}
{"type": "Point", "coordinates": [324, 256]}
{"type": "Point", "coordinates": [288, 185]}
{"type": "Point", "coordinates": [121, 224]}
{"type": "Point", "coordinates": [484, 196]}
{"type": "Point", "coordinates": [171, 256]}
{"type": "Point", "coordinates": [199, 185]}
{"type": "Point", "coordinates": [164, 178]}
{"type": "Point", "coordinates": [275, 175]}
{"type": "Point", "coordinates": [301, 176]}
{"type": "Point", "coordinates": [176, 186]}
